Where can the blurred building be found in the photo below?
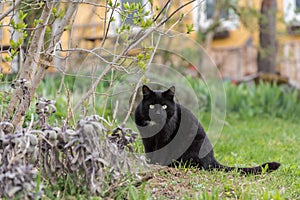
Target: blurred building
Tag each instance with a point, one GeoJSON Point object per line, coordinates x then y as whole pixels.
{"type": "Point", "coordinates": [234, 50]}
{"type": "Point", "coordinates": [234, 46]}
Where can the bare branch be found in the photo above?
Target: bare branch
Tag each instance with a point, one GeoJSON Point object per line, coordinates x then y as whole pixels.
{"type": "Point", "coordinates": [143, 34]}
{"type": "Point", "coordinates": [55, 39]}
{"type": "Point", "coordinates": [65, 21]}
{"type": "Point", "coordinates": [175, 11]}
{"type": "Point", "coordinates": [29, 66]}
{"type": "Point", "coordinates": [32, 58]}
{"type": "Point", "coordinates": [48, 57]}
{"type": "Point", "coordinates": [162, 10]}
{"type": "Point", "coordinates": [108, 25]}
{"type": "Point", "coordinates": [10, 10]}
{"type": "Point", "coordinates": [167, 7]}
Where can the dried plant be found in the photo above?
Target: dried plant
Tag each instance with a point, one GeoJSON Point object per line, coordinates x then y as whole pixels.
{"type": "Point", "coordinates": [123, 137]}
{"type": "Point", "coordinates": [90, 152]}
{"type": "Point", "coordinates": [44, 108]}
{"type": "Point", "coordinates": [17, 174]}
{"type": "Point", "coordinates": [18, 181]}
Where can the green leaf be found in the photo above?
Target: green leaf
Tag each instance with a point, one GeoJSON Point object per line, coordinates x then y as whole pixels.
{"type": "Point", "coordinates": [12, 43]}
{"type": "Point", "coordinates": [8, 58]}
{"type": "Point", "coordinates": [141, 65]}
{"type": "Point", "coordinates": [126, 6]}
{"type": "Point", "coordinates": [12, 23]}
{"type": "Point", "coordinates": [21, 25]}
{"type": "Point", "coordinates": [112, 19]}
{"type": "Point", "coordinates": [110, 3]}
{"type": "Point", "coordinates": [41, 3]}
{"type": "Point", "coordinates": [22, 15]}
{"type": "Point", "coordinates": [67, 27]}
{"type": "Point", "coordinates": [148, 56]}
{"type": "Point", "coordinates": [189, 28]}
{"type": "Point", "coordinates": [61, 14]}
{"type": "Point", "coordinates": [48, 29]}
{"type": "Point", "coordinates": [54, 10]}
{"type": "Point", "coordinates": [140, 56]}
{"type": "Point", "coordinates": [35, 22]}
{"type": "Point", "coordinates": [181, 17]}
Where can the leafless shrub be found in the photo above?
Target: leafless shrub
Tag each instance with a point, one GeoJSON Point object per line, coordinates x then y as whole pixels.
{"type": "Point", "coordinates": [17, 174]}
{"type": "Point", "coordinates": [123, 137]}
{"type": "Point", "coordinates": [18, 181]}
{"type": "Point", "coordinates": [96, 157]}
{"type": "Point", "coordinates": [44, 108]}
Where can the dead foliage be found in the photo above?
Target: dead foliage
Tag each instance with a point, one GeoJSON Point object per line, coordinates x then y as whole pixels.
{"type": "Point", "coordinates": [96, 156]}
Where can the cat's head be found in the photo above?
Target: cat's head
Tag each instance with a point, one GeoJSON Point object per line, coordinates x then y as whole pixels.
{"type": "Point", "coordinates": [158, 105]}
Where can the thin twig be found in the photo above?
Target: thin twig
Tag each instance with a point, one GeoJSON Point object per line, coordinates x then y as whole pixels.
{"type": "Point", "coordinates": [108, 25]}
{"type": "Point", "coordinates": [108, 90]}
{"type": "Point", "coordinates": [174, 12]}
{"type": "Point", "coordinates": [28, 70]}
{"type": "Point", "coordinates": [140, 80]}
{"type": "Point", "coordinates": [144, 34]}
{"type": "Point", "coordinates": [162, 10]}
{"type": "Point", "coordinates": [9, 10]}
{"type": "Point", "coordinates": [185, 14]}
{"type": "Point", "coordinates": [68, 54]}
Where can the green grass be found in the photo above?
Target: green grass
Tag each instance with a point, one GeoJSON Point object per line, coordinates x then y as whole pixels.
{"type": "Point", "coordinates": [243, 142]}
{"type": "Point", "coordinates": [262, 124]}
{"type": "Point", "coordinates": [259, 139]}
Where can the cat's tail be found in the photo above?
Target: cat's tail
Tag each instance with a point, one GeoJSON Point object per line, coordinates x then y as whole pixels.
{"type": "Point", "coordinates": [266, 167]}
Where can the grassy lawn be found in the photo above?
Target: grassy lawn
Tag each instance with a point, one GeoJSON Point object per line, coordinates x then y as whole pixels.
{"type": "Point", "coordinates": [262, 125]}
{"type": "Point", "coordinates": [243, 142]}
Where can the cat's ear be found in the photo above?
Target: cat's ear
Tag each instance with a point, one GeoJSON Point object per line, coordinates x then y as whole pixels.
{"type": "Point", "coordinates": [146, 90]}
{"type": "Point", "coordinates": [169, 93]}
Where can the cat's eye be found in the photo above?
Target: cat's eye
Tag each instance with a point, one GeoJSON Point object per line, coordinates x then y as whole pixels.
{"type": "Point", "coordinates": [151, 106]}
{"type": "Point", "coordinates": [164, 107]}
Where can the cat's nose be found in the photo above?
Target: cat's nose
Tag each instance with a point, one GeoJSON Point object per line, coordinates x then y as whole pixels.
{"type": "Point", "coordinates": [157, 112]}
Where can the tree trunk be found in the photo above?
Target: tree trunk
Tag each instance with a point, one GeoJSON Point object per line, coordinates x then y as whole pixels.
{"type": "Point", "coordinates": [267, 53]}
{"type": "Point", "coordinates": [30, 64]}
{"type": "Point", "coordinates": [36, 64]}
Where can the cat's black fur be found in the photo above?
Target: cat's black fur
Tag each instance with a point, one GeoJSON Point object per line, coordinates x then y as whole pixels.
{"type": "Point", "coordinates": [172, 134]}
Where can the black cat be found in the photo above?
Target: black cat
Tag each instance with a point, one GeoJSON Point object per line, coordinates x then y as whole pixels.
{"type": "Point", "coordinates": [171, 134]}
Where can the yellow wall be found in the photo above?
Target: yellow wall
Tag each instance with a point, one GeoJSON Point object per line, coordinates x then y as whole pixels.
{"type": "Point", "coordinates": [282, 35]}
{"type": "Point", "coordinates": [88, 16]}
{"type": "Point", "coordinates": [241, 35]}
